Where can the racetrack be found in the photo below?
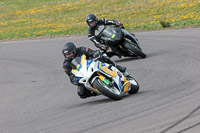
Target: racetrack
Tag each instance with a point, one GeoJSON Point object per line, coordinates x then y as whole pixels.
{"type": "Point", "coordinates": [36, 95]}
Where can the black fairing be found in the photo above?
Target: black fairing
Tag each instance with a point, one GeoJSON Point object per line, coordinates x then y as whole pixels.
{"type": "Point", "coordinates": [111, 35]}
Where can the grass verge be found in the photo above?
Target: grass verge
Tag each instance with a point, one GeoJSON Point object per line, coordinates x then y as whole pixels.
{"type": "Point", "coordinates": [33, 18]}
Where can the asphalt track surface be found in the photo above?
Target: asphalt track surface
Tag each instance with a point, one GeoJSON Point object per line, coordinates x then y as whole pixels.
{"type": "Point", "coordinates": [37, 97]}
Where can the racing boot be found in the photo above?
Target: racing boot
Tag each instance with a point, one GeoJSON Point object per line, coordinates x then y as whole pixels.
{"type": "Point", "coordinates": [84, 93]}
{"type": "Point", "coordinates": [120, 68]}
{"type": "Point", "coordinates": [81, 91]}
{"type": "Point", "coordinates": [111, 54]}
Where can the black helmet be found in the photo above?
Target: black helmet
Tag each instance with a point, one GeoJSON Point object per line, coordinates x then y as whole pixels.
{"type": "Point", "coordinates": [69, 50]}
{"type": "Point", "coordinates": [91, 20]}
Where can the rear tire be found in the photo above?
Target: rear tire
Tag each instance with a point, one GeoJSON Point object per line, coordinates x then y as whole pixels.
{"type": "Point", "coordinates": [105, 90]}
{"type": "Point", "coordinates": [135, 50]}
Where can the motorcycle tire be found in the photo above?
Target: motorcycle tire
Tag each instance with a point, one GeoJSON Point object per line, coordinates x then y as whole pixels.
{"type": "Point", "coordinates": [134, 88]}
{"type": "Point", "coordinates": [107, 91]}
{"type": "Point", "coordinates": [135, 50]}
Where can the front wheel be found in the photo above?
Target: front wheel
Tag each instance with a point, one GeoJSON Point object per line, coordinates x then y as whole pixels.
{"type": "Point", "coordinates": [134, 86]}
{"type": "Point", "coordinates": [134, 50]}
{"type": "Point", "coordinates": [111, 92]}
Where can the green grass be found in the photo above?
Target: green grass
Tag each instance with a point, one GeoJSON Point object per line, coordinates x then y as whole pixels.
{"type": "Point", "coordinates": [31, 18]}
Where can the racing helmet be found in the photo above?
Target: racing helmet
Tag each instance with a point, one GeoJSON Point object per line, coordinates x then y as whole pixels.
{"type": "Point", "coordinates": [69, 50]}
{"type": "Point", "coordinates": [91, 20]}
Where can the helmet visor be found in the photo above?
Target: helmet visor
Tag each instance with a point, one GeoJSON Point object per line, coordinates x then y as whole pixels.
{"type": "Point", "coordinates": [69, 54]}
{"type": "Point", "coordinates": [92, 23]}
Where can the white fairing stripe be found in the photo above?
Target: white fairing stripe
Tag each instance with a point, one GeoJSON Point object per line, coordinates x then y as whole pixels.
{"type": "Point", "coordinates": [110, 21]}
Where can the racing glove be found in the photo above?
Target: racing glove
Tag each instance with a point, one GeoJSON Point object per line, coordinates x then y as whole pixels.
{"type": "Point", "coordinates": [97, 54]}
{"type": "Point", "coordinates": [73, 79]}
{"type": "Point", "coordinates": [104, 47]}
{"type": "Point", "coordinates": [119, 24]}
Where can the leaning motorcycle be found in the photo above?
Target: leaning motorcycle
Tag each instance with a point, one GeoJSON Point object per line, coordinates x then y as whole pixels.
{"type": "Point", "coordinates": [118, 40]}
{"type": "Point", "coordinates": [102, 78]}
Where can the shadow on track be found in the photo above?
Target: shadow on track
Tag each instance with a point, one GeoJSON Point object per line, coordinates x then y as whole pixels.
{"type": "Point", "coordinates": [103, 100]}
{"type": "Point", "coordinates": [127, 59]}
{"type": "Point", "coordinates": [88, 103]}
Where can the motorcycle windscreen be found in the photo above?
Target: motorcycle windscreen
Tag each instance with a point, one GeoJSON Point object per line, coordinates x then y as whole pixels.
{"type": "Point", "coordinates": [98, 31]}
{"type": "Point", "coordinates": [76, 63]}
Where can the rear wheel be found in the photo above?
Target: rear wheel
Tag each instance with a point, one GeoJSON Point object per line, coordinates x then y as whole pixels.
{"type": "Point", "coordinates": [134, 50]}
{"type": "Point", "coordinates": [111, 92]}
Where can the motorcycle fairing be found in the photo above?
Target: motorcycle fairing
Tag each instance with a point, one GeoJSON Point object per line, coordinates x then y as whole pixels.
{"type": "Point", "coordinates": [125, 86]}
{"type": "Point", "coordinates": [106, 70]}
{"type": "Point", "coordinates": [89, 61]}
{"type": "Point", "coordinates": [107, 82]}
{"type": "Point", "coordinates": [86, 65]}
{"type": "Point", "coordinates": [78, 78]}
{"type": "Point", "coordinates": [83, 59]}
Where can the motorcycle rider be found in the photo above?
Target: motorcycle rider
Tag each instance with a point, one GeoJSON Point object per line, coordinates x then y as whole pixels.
{"type": "Point", "coordinates": [70, 52]}
{"type": "Point", "coordinates": [93, 23]}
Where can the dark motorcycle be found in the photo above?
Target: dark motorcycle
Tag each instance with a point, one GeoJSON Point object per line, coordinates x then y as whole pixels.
{"type": "Point", "coordinates": [121, 42]}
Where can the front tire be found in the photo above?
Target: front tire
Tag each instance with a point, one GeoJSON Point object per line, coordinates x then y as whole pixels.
{"type": "Point", "coordinates": [112, 93]}
{"type": "Point", "coordinates": [134, 87]}
{"type": "Point", "coordinates": [134, 49]}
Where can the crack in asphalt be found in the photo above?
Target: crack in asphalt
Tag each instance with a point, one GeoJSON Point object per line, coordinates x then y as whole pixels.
{"type": "Point", "coordinates": [189, 127]}
{"type": "Point", "coordinates": [181, 120]}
